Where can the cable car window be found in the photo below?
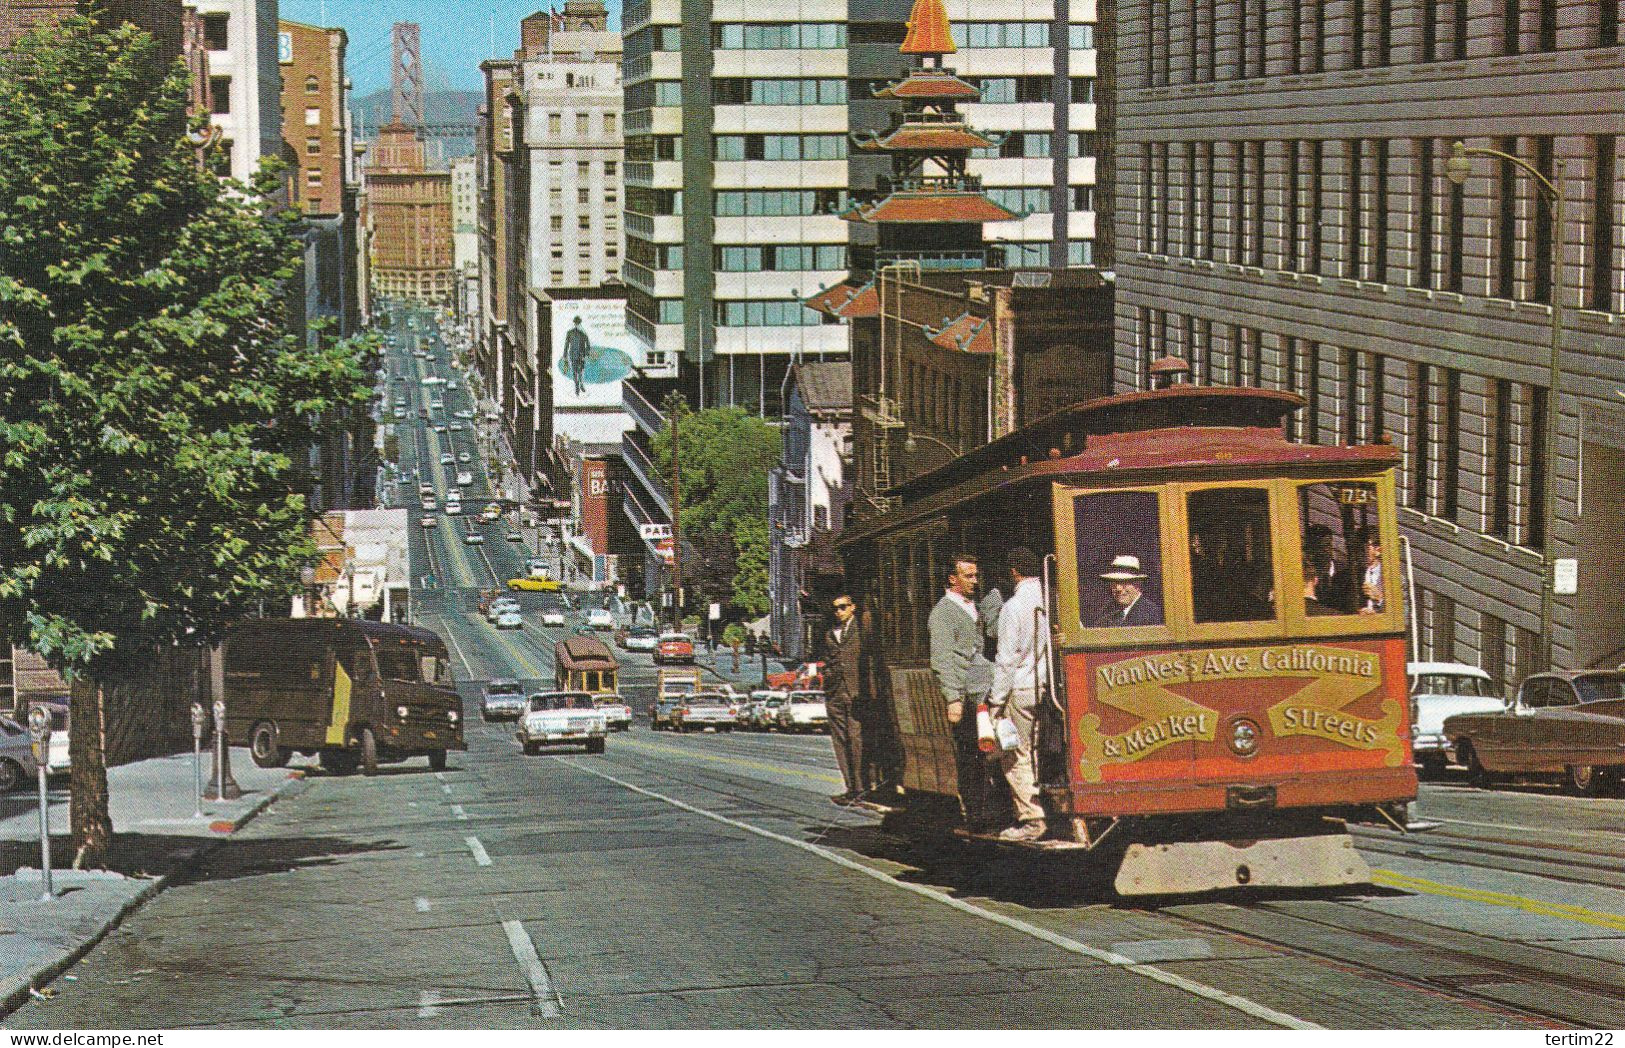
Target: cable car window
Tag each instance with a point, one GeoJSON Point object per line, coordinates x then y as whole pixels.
{"type": "Point", "coordinates": [1232, 577]}
{"type": "Point", "coordinates": [1119, 551]}
{"type": "Point", "coordinates": [397, 663]}
{"type": "Point", "coordinates": [1342, 549]}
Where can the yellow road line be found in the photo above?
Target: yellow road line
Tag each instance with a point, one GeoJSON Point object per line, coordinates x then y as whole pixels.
{"type": "Point", "coordinates": [1488, 898]}
{"type": "Point", "coordinates": [735, 761]}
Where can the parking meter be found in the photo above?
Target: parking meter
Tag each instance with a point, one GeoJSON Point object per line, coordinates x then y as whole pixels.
{"type": "Point", "coordinates": [198, 722]}
{"type": "Point", "coordinates": [220, 747]}
{"type": "Point", "coordinates": [39, 733]}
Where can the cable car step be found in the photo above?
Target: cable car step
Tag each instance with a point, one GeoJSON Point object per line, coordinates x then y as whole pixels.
{"type": "Point", "coordinates": [1046, 845]}
{"type": "Point", "coordinates": [1320, 861]}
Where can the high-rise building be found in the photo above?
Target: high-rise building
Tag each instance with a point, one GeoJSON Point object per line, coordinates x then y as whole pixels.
{"type": "Point", "coordinates": [1288, 217]}
{"type": "Point", "coordinates": [315, 117]}
{"type": "Point", "coordinates": [571, 80]}
{"type": "Point", "coordinates": [736, 172]}
{"type": "Point", "coordinates": [245, 83]}
{"type": "Point", "coordinates": [409, 210]}
{"type": "Point", "coordinates": [465, 234]}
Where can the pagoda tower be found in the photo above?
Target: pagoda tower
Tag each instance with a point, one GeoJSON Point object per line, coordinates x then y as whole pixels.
{"type": "Point", "coordinates": [928, 209]}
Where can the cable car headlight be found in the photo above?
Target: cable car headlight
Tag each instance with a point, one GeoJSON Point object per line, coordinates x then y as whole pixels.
{"type": "Point", "coordinates": [401, 712]}
{"type": "Point", "coordinates": [1244, 737]}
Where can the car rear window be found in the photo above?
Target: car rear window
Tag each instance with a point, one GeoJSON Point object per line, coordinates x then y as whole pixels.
{"type": "Point", "coordinates": [708, 700]}
{"type": "Point", "coordinates": [1600, 687]}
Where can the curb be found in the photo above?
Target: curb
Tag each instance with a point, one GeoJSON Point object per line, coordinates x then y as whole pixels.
{"type": "Point", "coordinates": [17, 990]}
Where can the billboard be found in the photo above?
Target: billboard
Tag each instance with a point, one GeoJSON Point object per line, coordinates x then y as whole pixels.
{"type": "Point", "coordinates": [592, 352]}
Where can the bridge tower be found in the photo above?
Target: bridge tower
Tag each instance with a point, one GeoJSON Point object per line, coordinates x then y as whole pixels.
{"type": "Point", "coordinates": [406, 78]}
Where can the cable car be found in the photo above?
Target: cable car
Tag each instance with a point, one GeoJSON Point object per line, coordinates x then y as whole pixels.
{"type": "Point", "coordinates": [1225, 687]}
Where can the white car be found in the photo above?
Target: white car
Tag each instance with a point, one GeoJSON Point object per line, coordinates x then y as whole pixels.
{"type": "Point", "coordinates": [510, 620]}
{"type": "Point", "coordinates": [465, 478]}
{"type": "Point", "coordinates": [453, 507]}
{"type": "Point", "coordinates": [464, 414]}
{"type": "Point", "coordinates": [463, 456]}
{"type": "Point", "coordinates": [617, 713]}
{"type": "Point", "coordinates": [473, 538]}
{"type": "Point", "coordinates": [427, 521]}
{"type": "Point", "coordinates": [804, 711]}
{"type": "Point", "coordinates": [446, 459]}
{"type": "Point", "coordinates": [553, 617]}
{"type": "Point", "coordinates": [562, 718]}
{"type": "Point", "coordinates": [455, 427]}
{"type": "Point", "coordinates": [498, 607]}
{"type": "Point", "coordinates": [642, 638]}
{"type": "Point", "coordinates": [440, 427]}
{"type": "Point", "coordinates": [1440, 690]}
{"type": "Point", "coordinates": [601, 619]}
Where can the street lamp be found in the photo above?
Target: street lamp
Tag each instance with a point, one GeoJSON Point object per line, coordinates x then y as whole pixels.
{"type": "Point", "coordinates": [1457, 168]}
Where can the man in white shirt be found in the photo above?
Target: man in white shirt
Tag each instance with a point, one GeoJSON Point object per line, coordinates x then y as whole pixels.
{"type": "Point", "coordinates": [1023, 650]}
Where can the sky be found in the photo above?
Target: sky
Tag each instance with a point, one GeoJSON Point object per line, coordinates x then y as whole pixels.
{"type": "Point", "coordinates": [456, 36]}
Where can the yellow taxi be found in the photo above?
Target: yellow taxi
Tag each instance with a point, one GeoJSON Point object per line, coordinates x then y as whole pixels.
{"type": "Point", "coordinates": [541, 585]}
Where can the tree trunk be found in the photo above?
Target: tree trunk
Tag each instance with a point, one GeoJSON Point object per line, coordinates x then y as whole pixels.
{"type": "Point", "coordinates": [90, 816]}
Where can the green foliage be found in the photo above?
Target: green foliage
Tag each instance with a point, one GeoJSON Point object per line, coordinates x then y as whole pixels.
{"type": "Point", "coordinates": [733, 635]}
{"type": "Point", "coordinates": [154, 411]}
{"type": "Point", "coordinates": [726, 456]}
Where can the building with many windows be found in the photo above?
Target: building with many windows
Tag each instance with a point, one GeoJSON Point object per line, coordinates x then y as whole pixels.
{"type": "Point", "coordinates": [1288, 216]}
{"type": "Point", "coordinates": [736, 171]}
{"type": "Point", "coordinates": [465, 235]}
{"type": "Point", "coordinates": [409, 208]}
{"type": "Point", "coordinates": [245, 80]}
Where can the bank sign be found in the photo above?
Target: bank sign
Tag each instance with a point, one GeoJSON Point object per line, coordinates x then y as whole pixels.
{"type": "Point", "coordinates": [1145, 703]}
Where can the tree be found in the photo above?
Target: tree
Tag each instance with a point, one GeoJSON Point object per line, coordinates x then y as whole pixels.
{"type": "Point", "coordinates": [726, 456]}
{"type": "Point", "coordinates": [153, 408]}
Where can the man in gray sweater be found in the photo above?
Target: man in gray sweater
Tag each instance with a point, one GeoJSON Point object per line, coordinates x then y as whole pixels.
{"type": "Point", "coordinates": [958, 629]}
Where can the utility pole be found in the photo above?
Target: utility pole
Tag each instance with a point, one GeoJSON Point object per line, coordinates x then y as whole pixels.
{"type": "Point", "coordinates": [674, 404]}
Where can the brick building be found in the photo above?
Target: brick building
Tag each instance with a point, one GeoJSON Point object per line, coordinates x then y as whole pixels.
{"type": "Point", "coordinates": [410, 214]}
{"type": "Point", "coordinates": [1285, 220]}
{"type": "Point", "coordinates": [161, 18]}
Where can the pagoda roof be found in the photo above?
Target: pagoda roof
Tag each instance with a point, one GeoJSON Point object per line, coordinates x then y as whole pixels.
{"type": "Point", "coordinates": [927, 138]}
{"type": "Point", "coordinates": [928, 30]}
{"type": "Point", "coordinates": [931, 84]}
{"type": "Point", "coordinates": [964, 334]}
{"type": "Point", "coordinates": [930, 206]}
{"type": "Point", "coordinates": [847, 300]}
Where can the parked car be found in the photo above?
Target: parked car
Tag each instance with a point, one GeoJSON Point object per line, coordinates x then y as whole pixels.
{"type": "Point", "coordinates": [767, 715]}
{"type": "Point", "coordinates": [427, 521]}
{"type": "Point", "coordinates": [803, 711]}
{"type": "Point", "coordinates": [707, 709]}
{"type": "Point", "coordinates": [553, 617]}
{"type": "Point", "coordinates": [642, 638]}
{"type": "Point", "coordinates": [536, 567]}
{"type": "Point", "coordinates": [455, 427]}
{"type": "Point", "coordinates": [663, 711]}
{"type": "Point", "coordinates": [17, 765]}
{"type": "Point", "coordinates": [1440, 690]}
{"type": "Point", "coordinates": [1569, 724]}
{"type": "Point", "coordinates": [464, 478]}
{"type": "Point", "coordinates": [446, 459]}
{"type": "Point", "coordinates": [616, 713]}
{"type": "Point", "coordinates": [453, 507]}
{"type": "Point", "coordinates": [601, 619]}
{"type": "Point", "coordinates": [562, 718]}
{"type": "Point", "coordinates": [502, 700]}
{"type": "Point", "coordinates": [464, 457]}
{"type": "Point", "coordinates": [535, 585]}
{"type": "Point", "coordinates": [510, 620]}
{"type": "Point", "coordinates": [750, 707]}
{"type": "Point", "coordinates": [473, 538]}
{"type": "Point", "coordinates": [674, 647]}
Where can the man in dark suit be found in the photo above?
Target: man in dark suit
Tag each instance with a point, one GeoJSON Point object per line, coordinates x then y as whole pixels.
{"type": "Point", "coordinates": [1133, 607]}
{"type": "Point", "coordinates": [843, 694]}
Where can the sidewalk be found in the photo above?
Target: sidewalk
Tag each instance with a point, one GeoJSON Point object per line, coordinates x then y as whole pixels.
{"type": "Point", "coordinates": [720, 665]}
{"type": "Point", "coordinates": [156, 836]}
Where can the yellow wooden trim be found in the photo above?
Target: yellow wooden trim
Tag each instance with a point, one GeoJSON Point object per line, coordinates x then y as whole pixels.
{"type": "Point", "coordinates": [1392, 620]}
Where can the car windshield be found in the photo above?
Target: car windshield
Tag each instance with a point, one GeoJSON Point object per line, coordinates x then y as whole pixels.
{"type": "Point", "coordinates": [504, 687]}
{"type": "Point", "coordinates": [673, 638]}
{"type": "Point", "coordinates": [572, 701]}
{"type": "Point", "coordinates": [708, 700]}
{"type": "Point", "coordinates": [1454, 684]}
{"type": "Point", "coordinates": [807, 696]}
{"type": "Point", "coordinates": [1599, 687]}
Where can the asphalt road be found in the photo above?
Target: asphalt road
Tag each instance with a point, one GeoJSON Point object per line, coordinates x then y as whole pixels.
{"type": "Point", "coordinates": [706, 881]}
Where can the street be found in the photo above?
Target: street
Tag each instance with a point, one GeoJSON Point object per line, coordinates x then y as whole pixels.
{"type": "Point", "coordinates": [706, 881]}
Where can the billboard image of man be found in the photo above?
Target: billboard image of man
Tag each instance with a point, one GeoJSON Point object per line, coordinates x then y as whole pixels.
{"type": "Point", "coordinates": [577, 348]}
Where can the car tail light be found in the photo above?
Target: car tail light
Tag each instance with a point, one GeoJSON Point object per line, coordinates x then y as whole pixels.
{"type": "Point", "coordinates": [682, 710]}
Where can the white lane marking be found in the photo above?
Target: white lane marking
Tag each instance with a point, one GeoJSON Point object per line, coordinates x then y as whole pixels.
{"type": "Point", "coordinates": [439, 776]}
{"type": "Point", "coordinates": [423, 905]}
{"type": "Point", "coordinates": [451, 635]}
{"type": "Point", "coordinates": [478, 849]}
{"type": "Point", "coordinates": [429, 1004]}
{"type": "Point", "coordinates": [1190, 986]}
{"type": "Point", "coordinates": [548, 1003]}
{"type": "Point", "coordinates": [457, 810]}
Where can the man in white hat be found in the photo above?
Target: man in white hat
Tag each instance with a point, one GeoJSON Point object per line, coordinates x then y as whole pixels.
{"type": "Point", "coordinates": [1127, 584]}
